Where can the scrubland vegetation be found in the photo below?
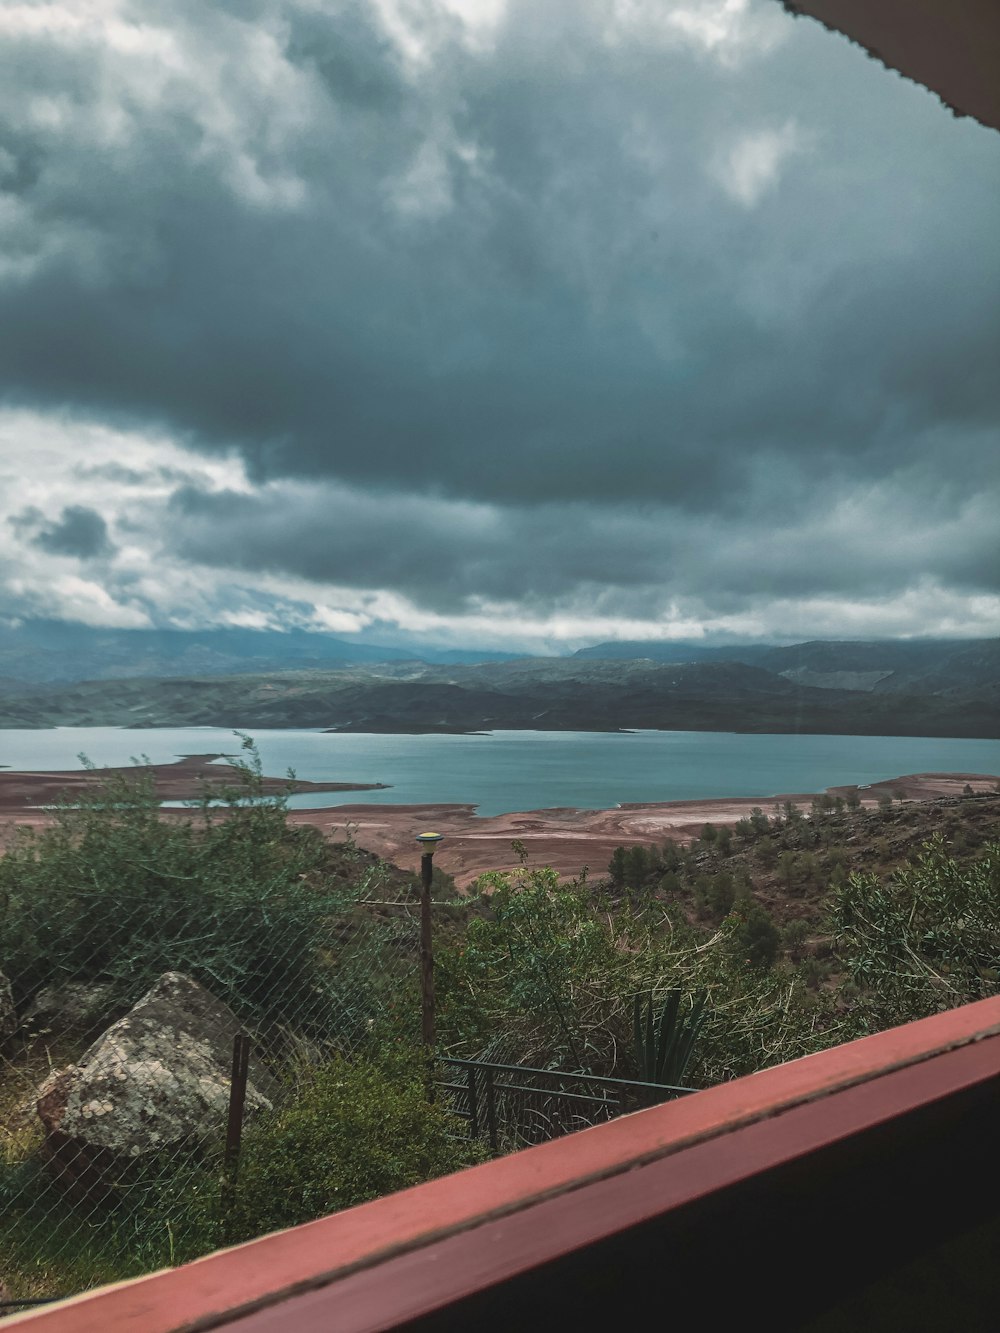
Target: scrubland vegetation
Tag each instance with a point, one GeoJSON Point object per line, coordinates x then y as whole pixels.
{"type": "Point", "coordinates": [791, 932]}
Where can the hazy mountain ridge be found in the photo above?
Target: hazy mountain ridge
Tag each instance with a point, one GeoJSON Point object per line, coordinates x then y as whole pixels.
{"type": "Point", "coordinates": [960, 667]}
{"type": "Point", "coordinates": [530, 694]}
{"type": "Point", "coordinates": [47, 650]}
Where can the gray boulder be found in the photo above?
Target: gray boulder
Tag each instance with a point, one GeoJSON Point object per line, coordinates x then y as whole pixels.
{"type": "Point", "coordinates": [72, 1006]}
{"type": "Point", "coordinates": [156, 1080]}
{"type": "Point", "coordinates": [8, 1014]}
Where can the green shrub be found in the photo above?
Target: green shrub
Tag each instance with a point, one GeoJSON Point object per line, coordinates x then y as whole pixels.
{"type": "Point", "coordinates": [745, 830]}
{"type": "Point", "coordinates": [670, 884]}
{"type": "Point", "coordinates": [229, 894]}
{"type": "Point", "coordinates": [766, 853]}
{"type": "Point", "coordinates": [617, 867]}
{"type": "Point", "coordinates": [547, 978]}
{"type": "Point", "coordinates": [357, 1131]}
{"type": "Point", "coordinates": [794, 938]}
{"type": "Point", "coordinates": [755, 937]}
{"type": "Point", "coordinates": [721, 894]}
{"type": "Point", "coordinates": [670, 856]}
{"type": "Point", "coordinates": [537, 970]}
{"type": "Point", "coordinates": [788, 869]}
{"type": "Point", "coordinates": [758, 820]}
{"type": "Point", "coordinates": [925, 937]}
{"type": "Point", "coordinates": [637, 865]}
{"type": "Point", "coordinates": [702, 889]}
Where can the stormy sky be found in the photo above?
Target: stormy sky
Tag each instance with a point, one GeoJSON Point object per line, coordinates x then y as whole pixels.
{"type": "Point", "coordinates": [529, 322]}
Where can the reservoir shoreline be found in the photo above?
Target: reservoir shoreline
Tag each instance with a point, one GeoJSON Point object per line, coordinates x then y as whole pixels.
{"type": "Point", "coordinates": [566, 838]}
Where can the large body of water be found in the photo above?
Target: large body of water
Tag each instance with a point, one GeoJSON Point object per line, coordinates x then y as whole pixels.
{"type": "Point", "coordinates": [528, 770]}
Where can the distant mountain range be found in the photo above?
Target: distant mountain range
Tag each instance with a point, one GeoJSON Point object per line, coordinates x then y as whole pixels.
{"type": "Point", "coordinates": [923, 666]}
{"type": "Point", "coordinates": [39, 651]}
{"type": "Point", "coordinates": [51, 650]}
{"type": "Point", "coordinates": [917, 688]}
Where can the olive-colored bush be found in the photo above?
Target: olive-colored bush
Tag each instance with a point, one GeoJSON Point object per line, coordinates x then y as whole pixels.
{"type": "Point", "coordinates": [356, 1131]}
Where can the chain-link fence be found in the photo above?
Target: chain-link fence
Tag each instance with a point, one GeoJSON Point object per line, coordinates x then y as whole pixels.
{"type": "Point", "coordinates": [134, 949]}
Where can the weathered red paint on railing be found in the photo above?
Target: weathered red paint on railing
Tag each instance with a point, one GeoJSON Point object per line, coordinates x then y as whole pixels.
{"type": "Point", "coordinates": [320, 1252]}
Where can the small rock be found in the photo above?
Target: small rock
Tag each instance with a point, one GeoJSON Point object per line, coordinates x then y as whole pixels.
{"type": "Point", "coordinates": [73, 1005]}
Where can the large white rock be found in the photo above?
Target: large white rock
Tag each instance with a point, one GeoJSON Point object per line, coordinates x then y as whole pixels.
{"type": "Point", "coordinates": [156, 1079]}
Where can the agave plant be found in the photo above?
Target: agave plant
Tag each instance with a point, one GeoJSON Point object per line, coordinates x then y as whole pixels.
{"type": "Point", "coordinates": [663, 1046]}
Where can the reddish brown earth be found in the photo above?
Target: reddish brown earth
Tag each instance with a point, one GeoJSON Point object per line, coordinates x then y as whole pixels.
{"type": "Point", "coordinates": [184, 780]}
{"type": "Point", "coordinates": [566, 839]}
{"type": "Point", "coordinates": [569, 839]}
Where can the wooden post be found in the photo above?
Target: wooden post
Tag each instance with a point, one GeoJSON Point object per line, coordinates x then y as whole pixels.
{"type": "Point", "coordinates": [234, 1125]}
{"type": "Point", "coordinates": [426, 951]}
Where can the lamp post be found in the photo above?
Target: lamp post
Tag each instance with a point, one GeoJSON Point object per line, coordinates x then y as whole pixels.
{"type": "Point", "coordinates": [428, 842]}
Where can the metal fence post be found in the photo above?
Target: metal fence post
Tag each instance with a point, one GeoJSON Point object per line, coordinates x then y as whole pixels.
{"type": "Point", "coordinates": [234, 1124]}
{"type": "Point", "coordinates": [491, 1109]}
{"type": "Point", "coordinates": [428, 841]}
{"type": "Point", "coordinates": [473, 1104]}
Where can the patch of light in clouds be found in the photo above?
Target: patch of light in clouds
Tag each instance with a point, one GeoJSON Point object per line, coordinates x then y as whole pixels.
{"type": "Point", "coordinates": [751, 166]}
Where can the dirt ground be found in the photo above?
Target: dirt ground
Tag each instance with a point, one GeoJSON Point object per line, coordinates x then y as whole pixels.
{"type": "Point", "coordinates": [566, 839]}
{"type": "Point", "coordinates": [570, 839]}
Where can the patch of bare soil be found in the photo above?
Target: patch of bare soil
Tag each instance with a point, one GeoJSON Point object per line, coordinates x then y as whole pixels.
{"type": "Point", "coordinates": [566, 839]}
{"type": "Point", "coordinates": [570, 839]}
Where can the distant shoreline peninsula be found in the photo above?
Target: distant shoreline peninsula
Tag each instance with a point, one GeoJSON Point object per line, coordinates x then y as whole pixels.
{"type": "Point", "coordinates": [188, 778]}
{"type": "Point", "coordinates": [568, 838]}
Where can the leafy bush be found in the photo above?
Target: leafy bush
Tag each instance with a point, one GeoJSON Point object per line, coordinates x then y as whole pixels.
{"type": "Point", "coordinates": [353, 1131]}
{"type": "Point", "coordinates": [925, 938]}
{"type": "Point", "coordinates": [357, 1130]}
{"type": "Point", "coordinates": [794, 938]}
{"type": "Point", "coordinates": [617, 867]}
{"type": "Point", "coordinates": [755, 937]}
{"type": "Point", "coordinates": [118, 893]}
{"type": "Point", "coordinates": [547, 977]}
{"type": "Point", "coordinates": [638, 864]}
{"type": "Point", "coordinates": [536, 969]}
{"type": "Point", "coordinates": [722, 893]}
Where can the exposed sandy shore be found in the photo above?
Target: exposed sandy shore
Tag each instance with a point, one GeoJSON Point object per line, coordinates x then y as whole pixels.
{"type": "Point", "coordinates": [567, 839]}
{"type": "Point", "coordinates": [570, 839]}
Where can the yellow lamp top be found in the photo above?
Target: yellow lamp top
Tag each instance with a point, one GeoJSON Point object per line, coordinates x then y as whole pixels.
{"type": "Point", "coordinates": [429, 840]}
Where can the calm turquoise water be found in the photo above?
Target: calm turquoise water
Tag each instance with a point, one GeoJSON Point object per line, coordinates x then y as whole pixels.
{"type": "Point", "coordinates": [529, 770]}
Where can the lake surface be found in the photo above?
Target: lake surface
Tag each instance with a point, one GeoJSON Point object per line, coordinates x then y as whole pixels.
{"type": "Point", "coordinates": [528, 770]}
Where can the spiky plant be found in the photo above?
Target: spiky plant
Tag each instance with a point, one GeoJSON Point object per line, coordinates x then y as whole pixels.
{"type": "Point", "coordinates": [663, 1046]}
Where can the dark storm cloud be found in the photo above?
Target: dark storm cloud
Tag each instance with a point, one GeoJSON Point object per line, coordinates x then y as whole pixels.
{"type": "Point", "coordinates": [78, 531]}
{"type": "Point", "coordinates": [548, 274]}
{"type": "Point", "coordinates": [446, 555]}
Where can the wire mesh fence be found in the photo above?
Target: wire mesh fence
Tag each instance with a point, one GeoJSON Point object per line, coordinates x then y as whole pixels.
{"type": "Point", "coordinates": [171, 978]}
{"type": "Point", "coordinates": [134, 949]}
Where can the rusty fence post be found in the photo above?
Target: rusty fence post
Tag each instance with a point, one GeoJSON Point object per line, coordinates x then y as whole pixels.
{"type": "Point", "coordinates": [234, 1124]}
{"type": "Point", "coordinates": [428, 841]}
{"type": "Point", "coordinates": [491, 1110]}
{"type": "Point", "coordinates": [426, 951]}
{"type": "Point", "coordinates": [473, 1104]}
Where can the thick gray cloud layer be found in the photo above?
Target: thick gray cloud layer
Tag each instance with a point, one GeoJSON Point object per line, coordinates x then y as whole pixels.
{"type": "Point", "coordinates": [78, 531]}
{"type": "Point", "coordinates": [604, 301]}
